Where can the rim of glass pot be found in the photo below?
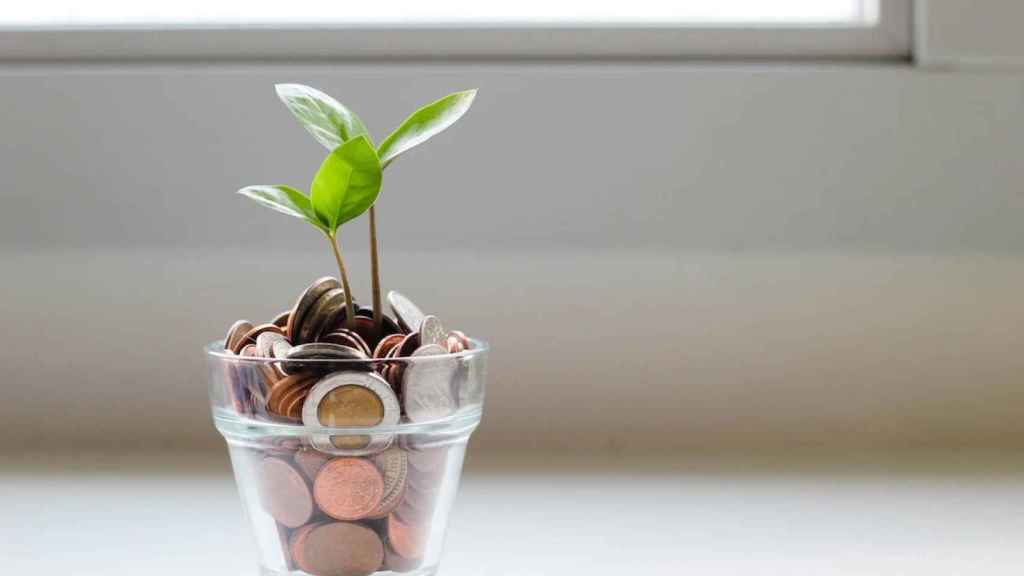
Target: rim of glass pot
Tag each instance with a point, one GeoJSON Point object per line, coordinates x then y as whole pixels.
{"type": "Point", "coordinates": [467, 417]}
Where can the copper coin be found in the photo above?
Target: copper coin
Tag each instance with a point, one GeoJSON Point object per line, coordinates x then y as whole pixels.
{"type": "Point", "coordinates": [283, 386]}
{"type": "Point", "coordinates": [410, 344]}
{"type": "Point", "coordinates": [387, 325]}
{"type": "Point", "coordinates": [251, 336]}
{"type": "Point", "coordinates": [365, 328]}
{"type": "Point", "coordinates": [310, 462]}
{"type": "Point", "coordinates": [281, 319]}
{"type": "Point", "coordinates": [279, 394]}
{"type": "Point", "coordinates": [335, 320]}
{"type": "Point", "coordinates": [250, 373]}
{"type": "Point", "coordinates": [317, 289]}
{"type": "Point", "coordinates": [461, 337]}
{"type": "Point", "coordinates": [284, 493]}
{"type": "Point", "coordinates": [397, 563]}
{"type": "Point", "coordinates": [408, 540]}
{"type": "Point", "coordinates": [340, 549]}
{"type": "Point", "coordinates": [235, 334]}
{"type": "Point", "coordinates": [386, 344]}
{"type": "Point", "coordinates": [293, 409]}
{"type": "Point", "coordinates": [271, 374]}
{"type": "Point", "coordinates": [348, 488]}
{"type": "Point", "coordinates": [289, 396]}
{"type": "Point", "coordinates": [346, 337]}
{"type": "Point", "coordinates": [386, 371]}
{"type": "Point", "coordinates": [297, 544]}
{"type": "Point", "coordinates": [453, 345]}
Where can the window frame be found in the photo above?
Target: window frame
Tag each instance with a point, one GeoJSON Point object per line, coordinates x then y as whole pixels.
{"type": "Point", "coordinates": [890, 39]}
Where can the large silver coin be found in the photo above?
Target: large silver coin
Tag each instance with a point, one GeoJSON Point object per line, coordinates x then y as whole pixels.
{"type": "Point", "coordinates": [409, 315]}
{"type": "Point", "coordinates": [356, 444]}
{"type": "Point", "coordinates": [432, 331]}
{"type": "Point", "coordinates": [427, 384]}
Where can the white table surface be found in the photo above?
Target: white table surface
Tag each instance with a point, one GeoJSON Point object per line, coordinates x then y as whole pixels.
{"type": "Point", "coordinates": [950, 513]}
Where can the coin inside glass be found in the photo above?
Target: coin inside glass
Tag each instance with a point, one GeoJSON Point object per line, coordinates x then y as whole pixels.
{"type": "Point", "coordinates": [351, 442]}
{"type": "Point", "coordinates": [350, 406]}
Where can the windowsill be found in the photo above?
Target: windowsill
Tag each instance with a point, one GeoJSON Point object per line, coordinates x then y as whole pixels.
{"type": "Point", "coordinates": [879, 515]}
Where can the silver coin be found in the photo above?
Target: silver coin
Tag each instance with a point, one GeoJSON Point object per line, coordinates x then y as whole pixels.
{"type": "Point", "coordinates": [427, 385]}
{"type": "Point", "coordinates": [266, 341]}
{"type": "Point", "coordinates": [280, 348]}
{"type": "Point", "coordinates": [409, 315]}
{"type": "Point", "coordinates": [394, 467]}
{"type": "Point", "coordinates": [375, 443]}
{"type": "Point", "coordinates": [319, 351]}
{"type": "Point", "coordinates": [324, 350]}
{"type": "Point", "coordinates": [432, 331]}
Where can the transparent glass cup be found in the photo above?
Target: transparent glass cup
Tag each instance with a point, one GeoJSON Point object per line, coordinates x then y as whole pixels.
{"type": "Point", "coordinates": [348, 500]}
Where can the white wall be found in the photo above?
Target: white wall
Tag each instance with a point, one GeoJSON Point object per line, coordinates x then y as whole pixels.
{"type": "Point", "coordinates": [670, 254]}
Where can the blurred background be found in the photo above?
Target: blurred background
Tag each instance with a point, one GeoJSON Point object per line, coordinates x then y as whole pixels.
{"type": "Point", "coordinates": [757, 266]}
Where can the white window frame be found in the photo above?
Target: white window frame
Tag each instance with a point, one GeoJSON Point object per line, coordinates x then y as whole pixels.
{"type": "Point", "coordinates": [890, 39]}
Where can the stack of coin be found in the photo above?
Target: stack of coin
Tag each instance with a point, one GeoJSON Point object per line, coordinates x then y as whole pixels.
{"type": "Point", "coordinates": [315, 340]}
{"type": "Point", "coordinates": [379, 507]}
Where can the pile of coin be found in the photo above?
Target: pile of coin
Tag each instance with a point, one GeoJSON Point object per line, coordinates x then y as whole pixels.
{"type": "Point", "coordinates": [352, 515]}
{"type": "Point", "coordinates": [317, 341]}
{"type": "Point", "coordinates": [350, 504]}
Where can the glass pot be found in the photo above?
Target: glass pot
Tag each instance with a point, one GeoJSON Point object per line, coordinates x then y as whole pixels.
{"type": "Point", "coordinates": [371, 496]}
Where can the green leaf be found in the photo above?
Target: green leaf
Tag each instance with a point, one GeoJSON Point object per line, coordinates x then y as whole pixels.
{"type": "Point", "coordinates": [424, 123]}
{"type": "Point", "coordinates": [284, 199]}
{"type": "Point", "coordinates": [325, 118]}
{"type": "Point", "coordinates": [347, 182]}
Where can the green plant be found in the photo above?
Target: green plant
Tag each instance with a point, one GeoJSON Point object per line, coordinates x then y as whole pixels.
{"type": "Point", "coordinates": [349, 180]}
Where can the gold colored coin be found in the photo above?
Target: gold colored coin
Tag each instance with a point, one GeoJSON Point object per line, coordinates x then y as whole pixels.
{"type": "Point", "coordinates": [350, 406]}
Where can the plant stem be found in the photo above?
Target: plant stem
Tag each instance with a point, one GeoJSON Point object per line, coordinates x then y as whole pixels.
{"type": "Point", "coordinates": [350, 309]}
{"type": "Point", "coordinates": [378, 310]}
